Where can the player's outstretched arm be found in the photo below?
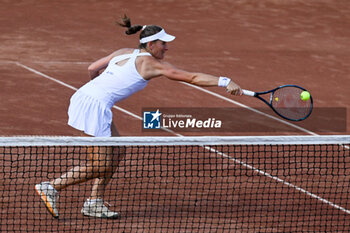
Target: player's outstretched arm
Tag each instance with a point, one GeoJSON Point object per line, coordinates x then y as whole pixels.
{"type": "Point", "coordinates": [198, 79]}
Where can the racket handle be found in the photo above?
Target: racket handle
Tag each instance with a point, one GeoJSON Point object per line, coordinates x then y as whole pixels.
{"type": "Point", "coordinates": [248, 93]}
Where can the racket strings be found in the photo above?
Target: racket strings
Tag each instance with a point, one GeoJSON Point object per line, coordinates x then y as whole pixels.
{"type": "Point", "coordinates": [287, 102]}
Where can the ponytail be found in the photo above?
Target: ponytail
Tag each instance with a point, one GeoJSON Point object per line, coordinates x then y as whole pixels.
{"type": "Point", "coordinates": [127, 23]}
{"type": "Point", "coordinates": [146, 30]}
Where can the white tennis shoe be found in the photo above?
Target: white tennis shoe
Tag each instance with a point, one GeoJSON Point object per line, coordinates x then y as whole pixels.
{"type": "Point", "coordinates": [49, 197]}
{"type": "Point", "coordinates": [98, 210]}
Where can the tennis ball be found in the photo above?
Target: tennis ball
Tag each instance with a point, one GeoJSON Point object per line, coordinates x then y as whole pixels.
{"type": "Point", "coordinates": [305, 95]}
{"type": "Point", "coordinates": [276, 99]}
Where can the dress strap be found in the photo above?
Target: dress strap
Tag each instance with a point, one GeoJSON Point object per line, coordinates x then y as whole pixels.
{"type": "Point", "coordinates": [144, 54]}
{"type": "Point", "coordinates": [136, 53]}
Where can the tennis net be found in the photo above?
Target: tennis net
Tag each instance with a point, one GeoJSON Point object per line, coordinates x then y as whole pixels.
{"type": "Point", "coordinates": [182, 184]}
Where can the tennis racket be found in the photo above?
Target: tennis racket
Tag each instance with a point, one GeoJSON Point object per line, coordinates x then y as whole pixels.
{"type": "Point", "coordinates": [285, 101]}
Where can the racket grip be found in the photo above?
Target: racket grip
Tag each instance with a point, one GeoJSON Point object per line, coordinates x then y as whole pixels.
{"type": "Point", "coordinates": [248, 93]}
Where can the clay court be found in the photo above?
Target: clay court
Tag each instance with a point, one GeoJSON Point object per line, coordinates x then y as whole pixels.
{"type": "Point", "coordinates": [46, 47]}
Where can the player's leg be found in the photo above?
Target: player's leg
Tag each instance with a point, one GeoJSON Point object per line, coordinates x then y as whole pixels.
{"type": "Point", "coordinates": [101, 163]}
{"type": "Point", "coordinates": [48, 191]}
{"type": "Point", "coordinates": [109, 158]}
{"type": "Point", "coordinates": [95, 167]}
{"type": "Point", "coordinates": [113, 156]}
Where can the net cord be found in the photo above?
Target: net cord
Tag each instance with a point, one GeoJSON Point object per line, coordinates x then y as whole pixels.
{"type": "Point", "coordinates": [172, 140]}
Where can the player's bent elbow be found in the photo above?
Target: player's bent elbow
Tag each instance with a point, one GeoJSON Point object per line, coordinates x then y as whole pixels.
{"type": "Point", "coordinates": [91, 68]}
{"type": "Point", "coordinates": [93, 72]}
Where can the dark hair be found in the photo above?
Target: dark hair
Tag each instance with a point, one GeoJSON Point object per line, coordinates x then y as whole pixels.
{"type": "Point", "coordinates": [149, 30]}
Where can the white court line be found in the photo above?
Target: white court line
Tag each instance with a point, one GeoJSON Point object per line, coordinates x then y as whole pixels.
{"type": "Point", "coordinates": [63, 62]}
{"type": "Point", "coordinates": [275, 178]}
{"type": "Point", "coordinates": [49, 62]}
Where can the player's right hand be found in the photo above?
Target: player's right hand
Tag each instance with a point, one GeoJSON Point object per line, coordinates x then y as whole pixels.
{"type": "Point", "coordinates": [234, 89]}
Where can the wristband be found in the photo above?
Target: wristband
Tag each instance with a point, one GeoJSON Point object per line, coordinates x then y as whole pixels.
{"type": "Point", "coordinates": [223, 81]}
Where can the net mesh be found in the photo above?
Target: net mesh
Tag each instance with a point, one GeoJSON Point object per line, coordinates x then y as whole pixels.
{"type": "Point", "coordinates": [202, 184]}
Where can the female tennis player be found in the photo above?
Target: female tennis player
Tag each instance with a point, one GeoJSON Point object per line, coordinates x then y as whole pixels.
{"type": "Point", "coordinates": [115, 77]}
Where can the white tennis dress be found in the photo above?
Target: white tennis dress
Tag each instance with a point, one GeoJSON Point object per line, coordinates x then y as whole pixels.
{"type": "Point", "coordinates": [90, 107]}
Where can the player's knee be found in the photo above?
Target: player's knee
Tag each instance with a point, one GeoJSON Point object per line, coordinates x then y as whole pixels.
{"type": "Point", "coordinates": [107, 165]}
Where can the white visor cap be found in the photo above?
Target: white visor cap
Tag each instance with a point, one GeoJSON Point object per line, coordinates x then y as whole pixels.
{"type": "Point", "coordinates": [162, 35]}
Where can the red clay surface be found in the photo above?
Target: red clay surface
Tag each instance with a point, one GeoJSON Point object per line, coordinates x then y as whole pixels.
{"type": "Point", "coordinates": [259, 44]}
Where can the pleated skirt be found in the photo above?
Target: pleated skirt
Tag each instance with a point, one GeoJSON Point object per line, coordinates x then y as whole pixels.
{"type": "Point", "coordinates": [90, 115]}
